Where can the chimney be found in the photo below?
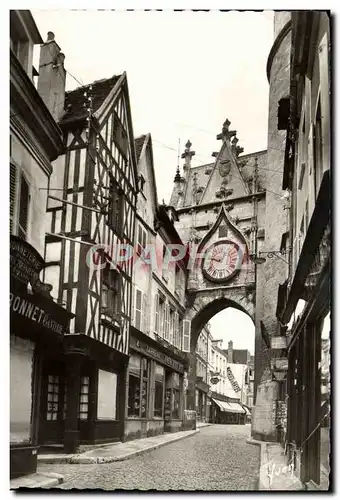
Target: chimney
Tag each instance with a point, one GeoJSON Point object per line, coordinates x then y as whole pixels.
{"type": "Point", "coordinates": [52, 77]}
{"type": "Point", "coordinates": [230, 351]}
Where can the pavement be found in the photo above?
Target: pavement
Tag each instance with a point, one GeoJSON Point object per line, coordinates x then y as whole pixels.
{"type": "Point", "coordinates": [115, 452]}
{"type": "Point", "coordinates": [217, 458]}
{"type": "Point", "coordinates": [276, 474]}
{"type": "Point", "coordinates": [38, 480]}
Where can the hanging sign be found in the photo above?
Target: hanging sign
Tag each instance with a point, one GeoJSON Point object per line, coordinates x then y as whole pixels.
{"type": "Point", "coordinates": [232, 380]}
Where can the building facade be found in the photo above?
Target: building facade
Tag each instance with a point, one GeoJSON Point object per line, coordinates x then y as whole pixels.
{"type": "Point", "coordinates": [202, 391]}
{"type": "Point", "coordinates": [303, 305]}
{"type": "Point", "coordinates": [90, 222]}
{"type": "Point", "coordinates": [37, 321]}
{"type": "Point", "coordinates": [157, 366]}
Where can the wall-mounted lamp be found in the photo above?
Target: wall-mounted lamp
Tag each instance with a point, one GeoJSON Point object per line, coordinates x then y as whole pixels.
{"type": "Point", "coordinates": [260, 259]}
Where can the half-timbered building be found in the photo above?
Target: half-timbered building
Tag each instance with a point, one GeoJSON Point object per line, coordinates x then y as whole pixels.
{"type": "Point", "coordinates": [90, 217]}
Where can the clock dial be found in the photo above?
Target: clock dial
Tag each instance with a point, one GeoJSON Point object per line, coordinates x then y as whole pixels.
{"type": "Point", "coordinates": [222, 261]}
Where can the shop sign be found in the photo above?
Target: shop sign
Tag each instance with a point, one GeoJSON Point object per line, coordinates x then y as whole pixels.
{"type": "Point", "coordinates": [280, 363]}
{"type": "Point", "coordinates": [35, 310]}
{"type": "Point", "coordinates": [232, 380]}
{"type": "Point", "coordinates": [153, 353]}
{"type": "Point", "coordinates": [279, 342]}
{"type": "Point", "coordinates": [25, 266]}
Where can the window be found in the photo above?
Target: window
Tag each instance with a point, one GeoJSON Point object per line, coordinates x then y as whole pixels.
{"type": "Point", "coordinates": [176, 396]}
{"type": "Point", "coordinates": [19, 202]}
{"type": "Point", "coordinates": [161, 315]}
{"type": "Point", "coordinates": [138, 386]}
{"type": "Point", "coordinates": [107, 395]}
{"type": "Point", "coordinates": [171, 325]}
{"type": "Point", "coordinates": [141, 240]}
{"type": "Point", "coordinates": [116, 207]}
{"type": "Point", "coordinates": [110, 298]}
{"type": "Point", "coordinates": [52, 397]}
{"type": "Point", "coordinates": [186, 335]}
{"type": "Point", "coordinates": [159, 391]}
{"type": "Point", "coordinates": [84, 398]}
{"type": "Point", "coordinates": [165, 272]}
{"type": "Point", "coordinates": [134, 386]}
{"type": "Point", "coordinates": [138, 309]}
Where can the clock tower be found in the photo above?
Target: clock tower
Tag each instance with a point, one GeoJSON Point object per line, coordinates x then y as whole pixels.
{"type": "Point", "coordinates": [220, 208]}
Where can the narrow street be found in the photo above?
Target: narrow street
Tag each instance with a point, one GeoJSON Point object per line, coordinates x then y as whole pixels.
{"type": "Point", "coordinates": [217, 458]}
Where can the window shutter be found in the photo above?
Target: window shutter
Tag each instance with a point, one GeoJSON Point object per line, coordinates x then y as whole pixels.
{"type": "Point", "coordinates": [13, 174]}
{"type": "Point", "coordinates": [140, 240]}
{"type": "Point", "coordinates": [138, 309]}
{"type": "Point", "coordinates": [176, 332]}
{"type": "Point", "coordinates": [186, 335]}
{"type": "Point", "coordinates": [23, 208]}
{"type": "Point", "coordinates": [166, 321]}
{"type": "Point", "coordinates": [156, 328]}
{"type": "Point", "coordinates": [171, 326]}
{"type": "Point", "coordinates": [145, 309]}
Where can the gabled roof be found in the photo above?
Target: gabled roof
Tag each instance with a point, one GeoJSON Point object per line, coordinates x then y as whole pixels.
{"type": "Point", "coordinates": [139, 143]}
{"type": "Point", "coordinates": [75, 99]}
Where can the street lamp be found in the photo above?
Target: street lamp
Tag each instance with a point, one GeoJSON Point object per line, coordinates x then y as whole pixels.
{"type": "Point", "coordinates": [260, 259]}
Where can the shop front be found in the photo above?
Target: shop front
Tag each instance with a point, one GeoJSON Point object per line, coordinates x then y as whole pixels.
{"type": "Point", "coordinates": [37, 324]}
{"type": "Point", "coordinates": [201, 400]}
{"type": "Point", "coordinates": [155, 388]}
{"type": "Point", "coordinates": [228, 412]}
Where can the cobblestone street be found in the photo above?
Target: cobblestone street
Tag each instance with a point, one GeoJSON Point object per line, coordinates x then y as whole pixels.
{"type": "Point", "coordinates": [217, 458]}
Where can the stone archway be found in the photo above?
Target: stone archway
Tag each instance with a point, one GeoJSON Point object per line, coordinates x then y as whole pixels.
{"type": "Point", "coordinates": [202, 306]}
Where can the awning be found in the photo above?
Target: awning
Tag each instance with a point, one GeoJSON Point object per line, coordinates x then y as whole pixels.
{"type": "Point", "coordinates": [229, 407]}
{"type": "Point", "coordinates": [246, 410]}
{"type": "Point", "coordinates": [236, 408]}
{"type": "Point", "coordinates": [223, 405]}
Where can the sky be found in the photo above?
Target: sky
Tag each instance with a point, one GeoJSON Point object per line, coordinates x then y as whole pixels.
{"type": "Point", "coordinates": [187, 72]}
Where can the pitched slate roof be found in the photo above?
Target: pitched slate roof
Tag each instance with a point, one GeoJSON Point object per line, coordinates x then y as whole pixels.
{"type": "Point", "coordinates": [139, 143]}
{"type": "Point", "coordinates": [74, 100]}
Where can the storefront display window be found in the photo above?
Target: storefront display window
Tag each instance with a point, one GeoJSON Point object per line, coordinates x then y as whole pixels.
{"type": "Point", "coordinates": [107, 396]}
{"type": "Point", "coordinates": [138, 386]}
{"type": "Point", "coordinates": [159, 390]}
{"type": "Point", "coordinates": [176, 396]}
{"type": "Point", "coordinates": [21, 363]}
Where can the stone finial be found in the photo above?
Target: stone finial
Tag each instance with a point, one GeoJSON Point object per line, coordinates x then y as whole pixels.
{"type": "Point", "coordinates": [188, 154]}
{"type": "Point", "coordinates": [226, 133]}
{"type": "Point", "coordinates": [50, 36]}
{"type": "Point", "coordinates": [234, 141]}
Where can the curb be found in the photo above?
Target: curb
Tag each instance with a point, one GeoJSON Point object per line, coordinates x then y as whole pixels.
{"type": "Point", "coordinates": [79, 459]}
{"type": "Point", "coordinates": [46, 480]}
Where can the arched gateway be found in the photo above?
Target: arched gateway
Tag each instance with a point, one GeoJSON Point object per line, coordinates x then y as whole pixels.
{"type": "Point", "coordinates": [220, 209]}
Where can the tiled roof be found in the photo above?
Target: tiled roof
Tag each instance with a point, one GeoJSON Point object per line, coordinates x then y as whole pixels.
{"type": "Point", "coordinates": [139, 142]}
{"type": "Point", "coordinates": [74, 100]}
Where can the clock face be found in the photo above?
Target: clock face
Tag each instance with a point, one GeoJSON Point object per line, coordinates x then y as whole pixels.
{"type": "Point", "coordinates": [222, 261]}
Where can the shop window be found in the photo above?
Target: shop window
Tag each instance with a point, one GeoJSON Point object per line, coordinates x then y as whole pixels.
{"type": "Point", "coordinates": [53, 390]}
{"type": "Point", "coordinates": [19, 202]}
{"type": "Point", "coordinates": [84, 398]}
{"type": "Point", "coordinates": [110, 302]}
{"type": "Point", "coordinates": [107, 394]}
{"type": "Point", "coordinates": [159, 391]}
{"type": "Point", "coordinates": [176, 396]}
{"type": "Point", "coordinates": [21, 362]}
{"type": "Point", "coordinates": [138, 386]}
